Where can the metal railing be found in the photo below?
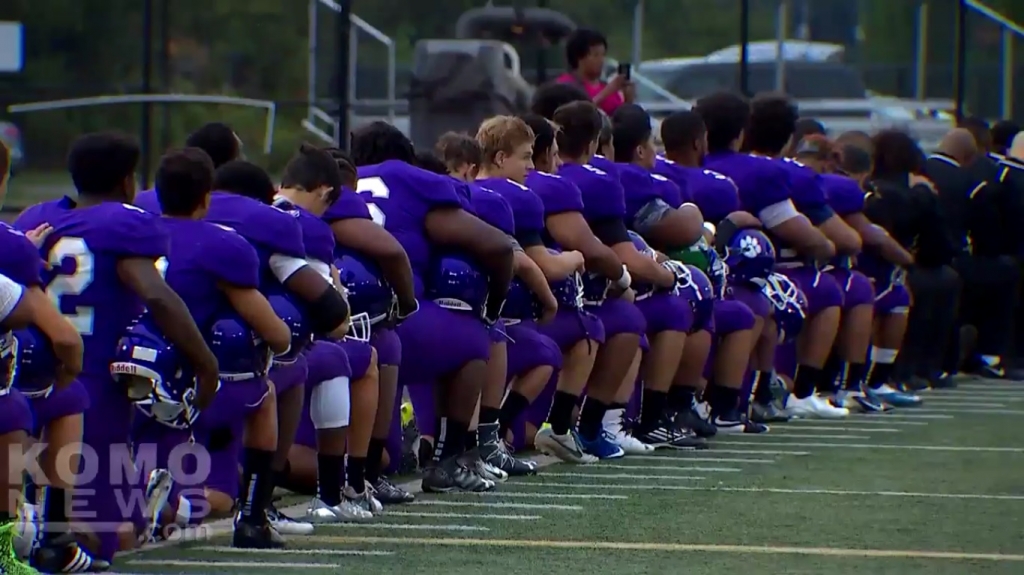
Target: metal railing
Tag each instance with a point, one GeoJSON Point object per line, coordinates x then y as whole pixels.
{"type": "Point", "coordinates": [1009, 29]}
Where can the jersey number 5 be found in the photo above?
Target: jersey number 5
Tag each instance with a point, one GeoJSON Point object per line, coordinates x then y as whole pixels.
{"type": "Point", "coordinates": [377, 189]}
{"type": "Point", "coordinates": [74, 283]}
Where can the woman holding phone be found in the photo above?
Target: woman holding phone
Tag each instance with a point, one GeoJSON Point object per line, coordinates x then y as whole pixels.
{"type": "Point", "coordinates": [585, 52]}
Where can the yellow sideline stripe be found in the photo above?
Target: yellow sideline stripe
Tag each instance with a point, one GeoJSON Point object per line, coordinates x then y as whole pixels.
{"type": "Point", "coordinates": [671, 547]}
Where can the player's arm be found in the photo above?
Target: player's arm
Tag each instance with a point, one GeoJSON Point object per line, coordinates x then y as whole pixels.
{"type": "Point", "coordinates": [528, 271]}
{"type": "Point", "coordinates": [35, 308]}
{"type": "Point", "coordinates": [669, 227]}
{"type": "Point", "coordinates": [555, 267]}
{"type": "Point", "coordinates": [783, 220]}
{"type": "Point", "coordinates": [455, 227]}
{"type": "Point", "coordinates": [254, 308]}
{"type": "Point", "coordinates": [571, 231]}
{"type": "Point", "coordinates": [368, 238]}
{"type": "Point", "coordinates": [875, 237]}
{"type": "Point", "coordinates": [342, 330]}
{"type": "Point", "coordinates": [173, 318]}
{"type": "Point", "coordinates": [328, 309]}
{"type": "Point", "coordinates": [612, 232]}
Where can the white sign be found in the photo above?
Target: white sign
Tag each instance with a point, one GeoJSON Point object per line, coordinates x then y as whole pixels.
{"type": "Point", "coordinates": [12, 41]}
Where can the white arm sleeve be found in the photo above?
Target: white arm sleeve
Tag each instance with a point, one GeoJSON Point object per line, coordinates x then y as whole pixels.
{"type": "Point", "coordinates": [284, 266]}
{"type": "Point", "coordinates": [10, 295]}
{"type": "Point", "coordinates": [778, 213]}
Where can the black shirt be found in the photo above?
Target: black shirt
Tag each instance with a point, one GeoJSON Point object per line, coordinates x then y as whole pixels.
{"type": "Point", "coordinates": [956, 186]}
{"type": "Point", "coordinates": [913, 216]}
{"type": "Point", "coordinates": [1011, 205]}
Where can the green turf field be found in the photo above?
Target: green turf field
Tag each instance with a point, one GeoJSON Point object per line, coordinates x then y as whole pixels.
{"type": "Point", "coordinates": [26, 189]}
{"type": "Point", "coordinates": [932, 491]}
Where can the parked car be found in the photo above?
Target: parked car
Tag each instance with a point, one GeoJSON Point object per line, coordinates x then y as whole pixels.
{"type": "Point", "coordinates": [10, 135]}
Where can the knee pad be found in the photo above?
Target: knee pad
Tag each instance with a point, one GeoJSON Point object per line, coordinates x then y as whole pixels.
{"type": "Point", "coordinates": [329, 404]}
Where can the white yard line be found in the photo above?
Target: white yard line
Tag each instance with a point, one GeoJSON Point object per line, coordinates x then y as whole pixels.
{"type": "Point", "coordinates": [233, 564]}
{"type": "Point", "coordinates": [912, 413]}
{"type": "Point", "coordinates": [970, 394]}
{"type": "Point", "coordinates": [882, 446]}
{"type": "Point", "coordinates": [464, 516]}
{"type": "Point", "coordinates": [496, 505]}
{"type": "Point", "coordinates": [735, 451]}
{"type": "Point", "coordinates": [945, 401]}
{"type": "Point", "coordinates": [967, 411]}
{"type": "Point", "coordinates": [562, 495]}
{"type": "Point", "coordinates": [308, 551]}
{"type": "Point", "coordinates": [620, 476]}
{"type": "Point", "coordinates": [855, 420]}
{"type": "Point", "coordinates": [725, 439]}
{"type": "Point", "coordinates": [850, 492]}
{"type": "Point", "coordinates": [716, 459]}
{"type": "Point", "coordinates": [403, 526]}
{"type": "Point", "coordinates": [609, 486]}
{"type": "Point", "coordinates": [783, 430]}
{"type": "Point", "coordinates": [669, 468]}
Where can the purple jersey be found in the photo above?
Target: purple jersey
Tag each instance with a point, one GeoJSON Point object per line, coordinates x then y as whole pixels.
{"type": "Point", "coordinates": [715, 194]}
{"type": "Point", "coordinates": [349, 205]}
{"type": "Point", "coordinates": [204, 255]}
{"type": "Point", "coordinates": [761, 182]}
{"type": "Point", "coordinates": [399, 197]}
{"type": "Point", "coordinates": [604, 164]}
{"type": "Point", "coordinates": [148, 201]}
{"type": "Point", "coordinates": [317, 237]}
{"type": "Point", "coordinates": [808, 191]}
{"type": "Point", "coordinates": [603, 198]}
{"type": "Point", "coordinates": [640, 189]}
{"type": "Point", "coordinates": [526, 205]}
{"type": "Point", "coordinates": [492, 208]}
{"type": "Point", "coordinates": [19, 258]}
{"type": "Point", "coordinates": [558, 196]}
{"type": "Point", "coordinates": [83, 251]}
{"type": "Point", "coordinates": [844, 194]}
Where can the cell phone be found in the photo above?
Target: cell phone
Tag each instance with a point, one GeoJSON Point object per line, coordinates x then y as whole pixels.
{"type": "Point", "coordinates": [625, 70]}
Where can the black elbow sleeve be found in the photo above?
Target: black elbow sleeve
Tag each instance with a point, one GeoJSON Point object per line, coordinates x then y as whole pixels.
{"type": "Point", "coordinates": [328, 312]}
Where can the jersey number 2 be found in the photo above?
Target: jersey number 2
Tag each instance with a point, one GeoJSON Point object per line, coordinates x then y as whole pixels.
{"type": "Point", "coordinates": [75, 283]}
{"type": "Point", "coordinates": [377, 189]}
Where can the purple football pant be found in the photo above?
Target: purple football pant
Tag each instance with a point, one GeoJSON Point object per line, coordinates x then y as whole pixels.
{"type": "Point", "coordinates": [71, 400]}
{"type": "Point", "coordinates": [288, 376]}
{"type": "Point", "coordinates": [360, 354]}
{"type": "Point", "coordinates": [437, 342]}
{"type": "Point", "coordinates": [666, 312]}
{"type": "Point", "coordinates": [110, 491]}
{"type": "Point", "coordinates": [157, 446]}
{"type": "Point", "coordinates": [326, 360]}
{"type": "Point", "coordinates": [732, 315]}
{"type": "Point", "coordinates": [388, 346]}
{"type": "Point", "coordinates": [619, 316]}
{"type": "Point", "coordinates": [894, 300]}
{"type": "Point", "coordinates": [820, 288]}
{"type": "Point", "coordinates": [15, 414]}
{"type": "Point", "coordinates": [227, 415]}
{"type": "Point", "coordinates": [570, 327]}
{"type": "Point", "coordinates": [857, 288]}
{"type": "Point", "coordinates": [752, 297]}
{"type": "Point", "coordinates": [529, 349]}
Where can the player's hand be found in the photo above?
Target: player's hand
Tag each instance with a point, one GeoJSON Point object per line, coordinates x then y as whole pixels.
{"type": "Point", "coordinates": [206, 389]}
{"type": "Point", "coordinates": [39, 235]}
{"type": "Point", "coordinates": [548, 311]}
{"type": "Point", "coordinates": [628, 295]}
{"type": "Point", "coordinates": [407, 309]}
{"type": "Point", "coordinates": [629, 92]}
{"type": "Point", "coordinates": [575, 258]}
{"type": "Point", "coordinates": [618, 82]}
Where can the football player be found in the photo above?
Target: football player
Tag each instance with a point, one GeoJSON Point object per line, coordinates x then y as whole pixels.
{"type": "Point", "coordinates": [102, 253]}
{"type": "Point", "coordinates": [440, 346]}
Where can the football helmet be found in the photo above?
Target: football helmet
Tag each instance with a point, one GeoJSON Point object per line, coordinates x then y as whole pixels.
{"type": "Point", "coordinates": [520, 304]}
{"type": "Point", "coordinates": [370, 298]}
{"type": "Point", "coordinates": [457, 284]}
{"type": "Point", "coordinates": [569, 292]}
{"type": "Point", "coordinates": [154, 376]}
{"type": "Point", "coordinates": [286, 309]}
{"type": "Point", "coordinates": [790, 305]}
{"type": "Point", "coordinates": [642, 290]}
{"type": "Point", "coordinates": [36, 363]}
{"type": "Point", "coordinates": [701, 293]}
{"type": "Point", "coordinates": [241, 353]}
{"type": "Point", "coordinates": [749, 257]}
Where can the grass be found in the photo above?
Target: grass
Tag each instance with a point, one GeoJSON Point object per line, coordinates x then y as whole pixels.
{"type": "Point", "coordinates": [903, 510]}
{"type": "Point", "coordinates": [29, 188]}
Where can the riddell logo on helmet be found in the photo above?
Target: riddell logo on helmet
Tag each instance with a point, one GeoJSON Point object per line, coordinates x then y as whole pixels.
{"type": "Point", "coordinates": [114, 488]}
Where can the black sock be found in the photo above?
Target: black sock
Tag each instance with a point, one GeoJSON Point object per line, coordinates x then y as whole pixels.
{"type": "Point", "coordinates": [489, 414]}
{"type": "Point", "coordinates": [830, 374]}
{"type": "Point", "coordinates": [591, 418]}
{"type": "Point", "coordinates": [355, 473]}
{"type": "Point", "coordinates": [328, 478]}
{"type": "Point", "coordinates": [723, 399]}
{"type": "Point", "coordinates": [853, 375]}
{"type": "Point", "coordinates": [374, 456]}
{"type": "Point", "coordinates": [257, 485]}
{"type": "Point", "coordinates": [560, 416]}
{"type": "Point", "coordinates": [763, 387]}
{"type": "Point", "coordinates": [680, 397]}
{"type": "Point", "coordinates": [450, 440]}
{"type": "Point", "coordinates": [805, 381]}
{"type": "Point", "coordinates": [879, 374]}
{"type": "Point", "coordinates": [652, 408]}
{"type": "Point", "coordinates": [55, 514]}
{"type": "Point", "coordinates": [616, 405]}
{"type": "Point", "coordinates": [472, 439]}
{"type": "Point", "coordinates": [513, 406]}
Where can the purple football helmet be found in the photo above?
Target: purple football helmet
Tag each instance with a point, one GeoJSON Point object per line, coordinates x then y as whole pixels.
{"type": "Point", "coordinates": [749, 257]}
{"type": "Point", "coordinates": [456, 284]}
{"type": "Point", "coordinates": [370, 297]}
{"type": "Point", "coordinates": [790, 305]}
{"type": "Point", "coordinates": [641, 289]}
{"type": "Point", "coordinates": [569, 292]}
{"type": "Point", "coordinates": [701, 293]}
{"type": "Point", "coordinates": [37, 364]}
{"type": "Point", "coordinates": [154, 375]}
{"type": "Point", "coordinates": [520, 304]}
{"type": "Point", "coordinates": [241, 353]}
{"type": "Point", "coordinates": [291, 313]}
